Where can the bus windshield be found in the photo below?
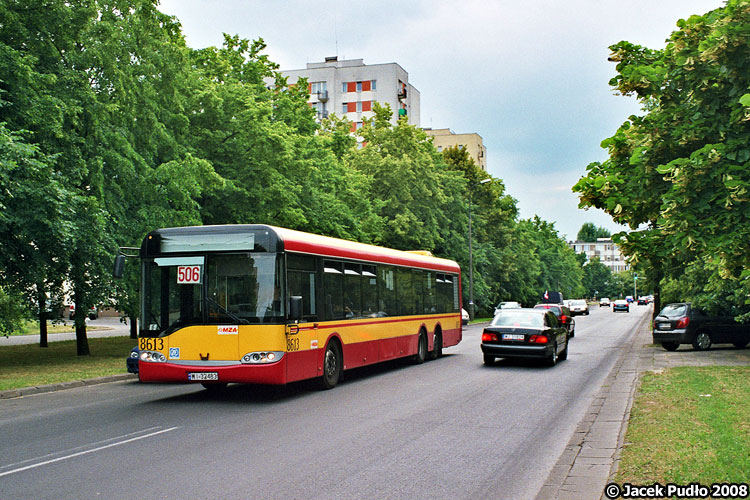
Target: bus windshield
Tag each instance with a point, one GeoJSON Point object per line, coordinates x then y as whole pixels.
{"type": "Point", "coordinates": [236, 288]}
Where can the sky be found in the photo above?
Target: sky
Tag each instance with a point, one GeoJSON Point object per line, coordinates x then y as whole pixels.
{"type": "Point", "coordinates": [531, 78]}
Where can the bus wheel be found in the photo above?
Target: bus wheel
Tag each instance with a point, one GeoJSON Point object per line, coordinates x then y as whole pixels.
{"type": "Point", "coordinates": [437, 345]}
{"type": "Point", "coordinates": [421, 354]}
{"type": "Point", "coordinates": [332, 364]}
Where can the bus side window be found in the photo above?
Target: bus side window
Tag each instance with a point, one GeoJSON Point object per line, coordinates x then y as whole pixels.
{"type": "Point", "coordinates": [369, 291]}
{"type": "Point", "coordinates": [333, 284]}
{"type": "Point", "coordinates": [387, 291]}
{"type": "Point", "coordinates": [429, 293]}
{"type": "Point", "coordinates": [405, 291]}
{"type": "Point", "coordinates": [302, 282]}
{"type": "Point", "coordinates": [352, 290]}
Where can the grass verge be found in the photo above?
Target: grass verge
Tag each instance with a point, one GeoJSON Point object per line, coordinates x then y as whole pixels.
{"type": "Point", "coordinates": [689, 424]}
{"type": "Point", "coordinates": [30, 366]}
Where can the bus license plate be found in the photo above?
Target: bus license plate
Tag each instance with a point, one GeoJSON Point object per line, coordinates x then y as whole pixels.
{"type": "Point", "coordinates": [512, 336]}
{"type": "Point", "coordinates": [203, 376]}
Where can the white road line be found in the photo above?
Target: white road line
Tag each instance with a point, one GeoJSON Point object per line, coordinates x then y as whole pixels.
{"type": "Point", "coordinates": [33, 466]}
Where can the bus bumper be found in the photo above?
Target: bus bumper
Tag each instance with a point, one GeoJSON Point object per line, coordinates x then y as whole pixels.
{"type": "Point", "coordinates": [274, 373]}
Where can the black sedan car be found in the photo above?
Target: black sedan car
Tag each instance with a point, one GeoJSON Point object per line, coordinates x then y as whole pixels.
{"type": "Point", "coordinates": [563, 315]}
{"type": "Point", "coordinates": [525, 333]}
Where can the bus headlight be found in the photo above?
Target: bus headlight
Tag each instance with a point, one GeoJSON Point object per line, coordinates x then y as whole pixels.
{"type": "Point", "coordinates": [257, 358]}
{"type": "Point", "coordinates": [153, 357]}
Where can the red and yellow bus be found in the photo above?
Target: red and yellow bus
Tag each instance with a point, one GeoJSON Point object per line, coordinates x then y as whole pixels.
{"type": "Point", "coordinates": [267, 305]}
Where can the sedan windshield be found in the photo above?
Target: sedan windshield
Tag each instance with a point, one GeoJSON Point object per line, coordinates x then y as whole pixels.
{"type": "Point", "coordinates": [518, 318]}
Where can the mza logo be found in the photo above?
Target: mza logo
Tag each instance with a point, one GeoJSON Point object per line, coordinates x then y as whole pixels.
{"type": "Point", "coordinates": [228, 330]}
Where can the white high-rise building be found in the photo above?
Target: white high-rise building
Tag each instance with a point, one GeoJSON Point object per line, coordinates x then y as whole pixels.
{"type": "Point", "coordinates": [350, 87]}
{"type": "Point", "coordinates": [604, 248]}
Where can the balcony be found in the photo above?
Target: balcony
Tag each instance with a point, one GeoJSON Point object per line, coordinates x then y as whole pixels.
{"type": "Point", "coordinates": [322, 95]}
{"type": "Point", "coordinates": [322, 115]}
{"type": "Point", "coordinates": [402, 94]}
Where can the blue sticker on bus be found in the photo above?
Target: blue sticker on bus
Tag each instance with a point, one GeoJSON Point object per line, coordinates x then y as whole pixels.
{"type": "Point", "coordinates": [174, 353]}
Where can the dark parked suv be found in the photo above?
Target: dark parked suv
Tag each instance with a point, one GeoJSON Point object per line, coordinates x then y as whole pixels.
{"type": "Point", "coordinates": [682, 323]}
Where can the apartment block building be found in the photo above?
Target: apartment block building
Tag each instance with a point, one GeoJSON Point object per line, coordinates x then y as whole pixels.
{"type": "Point", "coordinates": [350, 87]}
{"type": "Point", "coordinates": [604, 248]}
{"type": "Point", "coordinates": [444, 138]}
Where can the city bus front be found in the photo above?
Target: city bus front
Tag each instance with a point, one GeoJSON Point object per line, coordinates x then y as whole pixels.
{"type": "Point", "coordinates": [212, 308]}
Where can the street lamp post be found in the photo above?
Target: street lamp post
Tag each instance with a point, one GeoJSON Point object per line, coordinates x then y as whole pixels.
{"type": "Point", "coordinates": [471, 256]}
{"type": "Point", "coordinates": [635, 290]}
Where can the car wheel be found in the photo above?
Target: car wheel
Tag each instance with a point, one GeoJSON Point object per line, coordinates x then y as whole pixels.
{"type": "Point", "coordinates": [552, 360]}
{"type": "Point", "coordinates": [421, 354]}
{"type": "Point", "coordinates": [742, 344]}
{"type": "Point", "coordinates": [332, 364]}
{"type": "Point", "coordinates": [670, 346]}
{"type": "Point", "coordinates": [489, 360]}
{"type": "Point", "coordinates": [702, 341]}
{"type": "Point", "coordinates": [437, 345]}
{"type": "Point", "coordinates": [564, 355]}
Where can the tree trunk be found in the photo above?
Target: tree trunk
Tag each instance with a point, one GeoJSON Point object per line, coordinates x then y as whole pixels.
{"type": "Point", "coordinates": [82, 342]}
{"type": "Point", "coordinates": [42, 301]}
{"type": "Point", "coordinates": [133, 328]}
{"type": "Point", "coordinates": [658, 275]}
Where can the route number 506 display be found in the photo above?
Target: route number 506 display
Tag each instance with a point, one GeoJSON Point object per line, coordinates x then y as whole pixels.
{"type": "Point", "coordinates": [188, 275]}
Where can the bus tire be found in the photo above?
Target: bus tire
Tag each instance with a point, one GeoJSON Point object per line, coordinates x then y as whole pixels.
{"type": "Point", "coordinates": [437, 344]}
{"type": "Point", "coordinates": [421, 354]}
{"type": "Point", "coordinates": [332, 364]}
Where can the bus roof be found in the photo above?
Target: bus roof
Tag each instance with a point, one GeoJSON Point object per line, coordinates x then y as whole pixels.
{"type": "Point", "coordinates": [241, 236]}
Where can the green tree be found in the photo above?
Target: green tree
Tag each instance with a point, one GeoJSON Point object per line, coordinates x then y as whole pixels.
{"type": "Point", "coordinates": [415, 192]}
{"type": "Point", "coordinates": [590, 232]}
{"type": "Point", "coordinates": [34, 227]}
{"type": "Point", "coordinates": [596, 278]}
{"type": "Point", "coordinates": [559, 268]}
{"type": "Point", "coordinates": [682, 168]}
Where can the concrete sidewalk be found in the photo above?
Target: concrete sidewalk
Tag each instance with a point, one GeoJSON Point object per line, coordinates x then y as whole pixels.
{"type": "Point", "coordinates": [591, 458]}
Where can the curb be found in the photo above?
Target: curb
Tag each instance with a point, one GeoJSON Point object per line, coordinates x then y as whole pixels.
{"type": "Point", "coordinates": [28, 391]}
{"type": "Point", "coordinates": [592, 454]}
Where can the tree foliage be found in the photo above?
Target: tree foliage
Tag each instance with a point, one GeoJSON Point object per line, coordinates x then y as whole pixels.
{"type": "Point", "coordinates": [589, 232]}
{"type": "Point", "coordinates": [110, 126]}
{"type": "Point", "coordinates": [680, 173]}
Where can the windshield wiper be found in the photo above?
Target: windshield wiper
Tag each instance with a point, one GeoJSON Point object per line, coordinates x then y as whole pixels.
{"type": "Point", "coordinates": [223, 310]}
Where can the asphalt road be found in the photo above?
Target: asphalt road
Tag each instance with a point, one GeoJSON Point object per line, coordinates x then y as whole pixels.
{"type": "Point", "coordinates": [450, 428]}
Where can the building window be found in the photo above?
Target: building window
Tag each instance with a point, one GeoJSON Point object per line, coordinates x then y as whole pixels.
{"type": "Point", "coordinates": [372, 85]}
{"type": "Point", "coordinates": [343, 87]}
{"type": "Point", "coordinates": [318, 87]}
{"type": "Point", "coordinates": [344, 107]}
{"type": "Point", "coordinates": [359, 86]}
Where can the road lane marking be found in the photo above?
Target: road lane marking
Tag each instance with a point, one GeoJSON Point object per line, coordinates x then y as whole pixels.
{"type": "Point", "coordinates": [73, 455]}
